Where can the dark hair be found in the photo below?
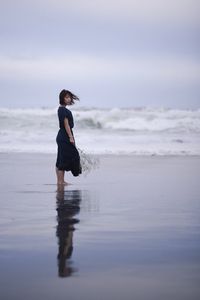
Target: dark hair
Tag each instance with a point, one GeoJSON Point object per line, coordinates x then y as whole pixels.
{"type": "Point", "coordinates": [64, 93]}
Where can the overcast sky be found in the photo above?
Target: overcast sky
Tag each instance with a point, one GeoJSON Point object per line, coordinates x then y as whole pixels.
{"type": "Point", "coordinates": [110, 53]}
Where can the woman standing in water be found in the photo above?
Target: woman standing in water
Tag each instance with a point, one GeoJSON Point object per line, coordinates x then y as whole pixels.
{"type": "Point", "coordinates": [68, 158]}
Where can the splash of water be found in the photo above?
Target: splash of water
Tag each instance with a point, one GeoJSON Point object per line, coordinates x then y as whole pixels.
{"type": "Point", "coordinates": [88, 162]}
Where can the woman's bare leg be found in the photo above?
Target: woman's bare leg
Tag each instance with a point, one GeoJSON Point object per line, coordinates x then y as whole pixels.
{"type": "Point", "coordinates": [60, 176]}
{"type": "Point", "coordinates": [57, 173]}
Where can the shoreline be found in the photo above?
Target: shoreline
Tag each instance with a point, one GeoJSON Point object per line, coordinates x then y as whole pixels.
{"type": "Point", "coordinates": [106, 154]}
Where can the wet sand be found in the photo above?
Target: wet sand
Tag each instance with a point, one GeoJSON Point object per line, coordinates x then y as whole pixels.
{"type": "Point", "coordinates": [129, 230]}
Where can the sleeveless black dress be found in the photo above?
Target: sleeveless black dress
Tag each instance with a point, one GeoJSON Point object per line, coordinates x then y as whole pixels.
{"type": "Point", "coordinates": [68, 158]}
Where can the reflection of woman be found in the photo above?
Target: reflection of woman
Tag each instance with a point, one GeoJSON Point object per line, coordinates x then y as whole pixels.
{"type": "Point", "coordinates": [68, 205]}
{"type": "Point", "coordinates": [68, 158]}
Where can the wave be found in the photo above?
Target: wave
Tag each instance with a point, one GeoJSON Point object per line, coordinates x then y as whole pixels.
{"type": "Point", "coordinates": [100, 130]}
{"type": "Point", "coordinates": [132, 119]}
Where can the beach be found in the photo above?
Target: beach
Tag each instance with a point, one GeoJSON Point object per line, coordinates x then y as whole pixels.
{"type": "Point", "coordinates": [128, 230]}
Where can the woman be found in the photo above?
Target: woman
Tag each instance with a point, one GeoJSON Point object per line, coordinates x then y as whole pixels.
{"type": "Point", "coordinates": [68, 158]}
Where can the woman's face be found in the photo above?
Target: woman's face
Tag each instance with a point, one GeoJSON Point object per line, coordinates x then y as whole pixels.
{"type": "Point", "coordinates": [67, 99]}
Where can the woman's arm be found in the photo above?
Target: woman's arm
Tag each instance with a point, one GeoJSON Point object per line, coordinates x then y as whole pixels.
{"type": "Point", "coordinates": [68, 129]}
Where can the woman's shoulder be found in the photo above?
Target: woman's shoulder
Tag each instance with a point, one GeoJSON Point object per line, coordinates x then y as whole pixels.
{"type": "Point", "coordinates": [62, 110]}
{"type": "Point", "coordinates": [68, 111]}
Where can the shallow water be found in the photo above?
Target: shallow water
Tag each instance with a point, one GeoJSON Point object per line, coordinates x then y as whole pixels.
{"type": "Point", "coordinates": [132, 234]}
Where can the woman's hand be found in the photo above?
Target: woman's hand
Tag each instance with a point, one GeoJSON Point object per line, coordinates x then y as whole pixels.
{"type": "Point", "coordinates": [71, 139]}
{"type": "Point", "coordinates": [68, 130]}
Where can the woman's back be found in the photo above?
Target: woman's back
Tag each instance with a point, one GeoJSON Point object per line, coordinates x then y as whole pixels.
{"type": "Point", "coordinates": [62, 113]}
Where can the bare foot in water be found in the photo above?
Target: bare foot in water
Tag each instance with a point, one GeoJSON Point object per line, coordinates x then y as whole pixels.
{"type": "Point", "coordinates": [64, 182]}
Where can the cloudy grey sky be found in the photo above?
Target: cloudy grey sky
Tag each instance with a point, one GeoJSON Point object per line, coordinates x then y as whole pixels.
{"type": "Point", "coordinates": [110, 53]}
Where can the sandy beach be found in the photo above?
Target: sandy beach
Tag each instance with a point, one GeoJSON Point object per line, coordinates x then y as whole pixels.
{"type": "Point", "coordinates": [128, 230]}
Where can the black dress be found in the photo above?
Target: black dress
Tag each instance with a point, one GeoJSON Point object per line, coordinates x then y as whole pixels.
{"type": "Point", "coordinates": [68, 158]}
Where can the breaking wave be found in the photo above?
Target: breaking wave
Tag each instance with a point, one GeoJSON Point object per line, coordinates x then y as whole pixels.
{"type": "Point", "coordinates": [144, 130]}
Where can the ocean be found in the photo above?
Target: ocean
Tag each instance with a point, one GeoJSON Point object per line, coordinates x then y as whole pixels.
{"type": "Point", "coordinates": [137, 131]}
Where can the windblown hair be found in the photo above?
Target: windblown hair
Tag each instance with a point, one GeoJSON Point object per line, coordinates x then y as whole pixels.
{"type": "Point", "coordinates": [64, 93]}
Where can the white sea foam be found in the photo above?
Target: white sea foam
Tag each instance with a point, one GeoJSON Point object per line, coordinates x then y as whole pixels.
{"type": "Point", "coordinates": [144, 131]}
